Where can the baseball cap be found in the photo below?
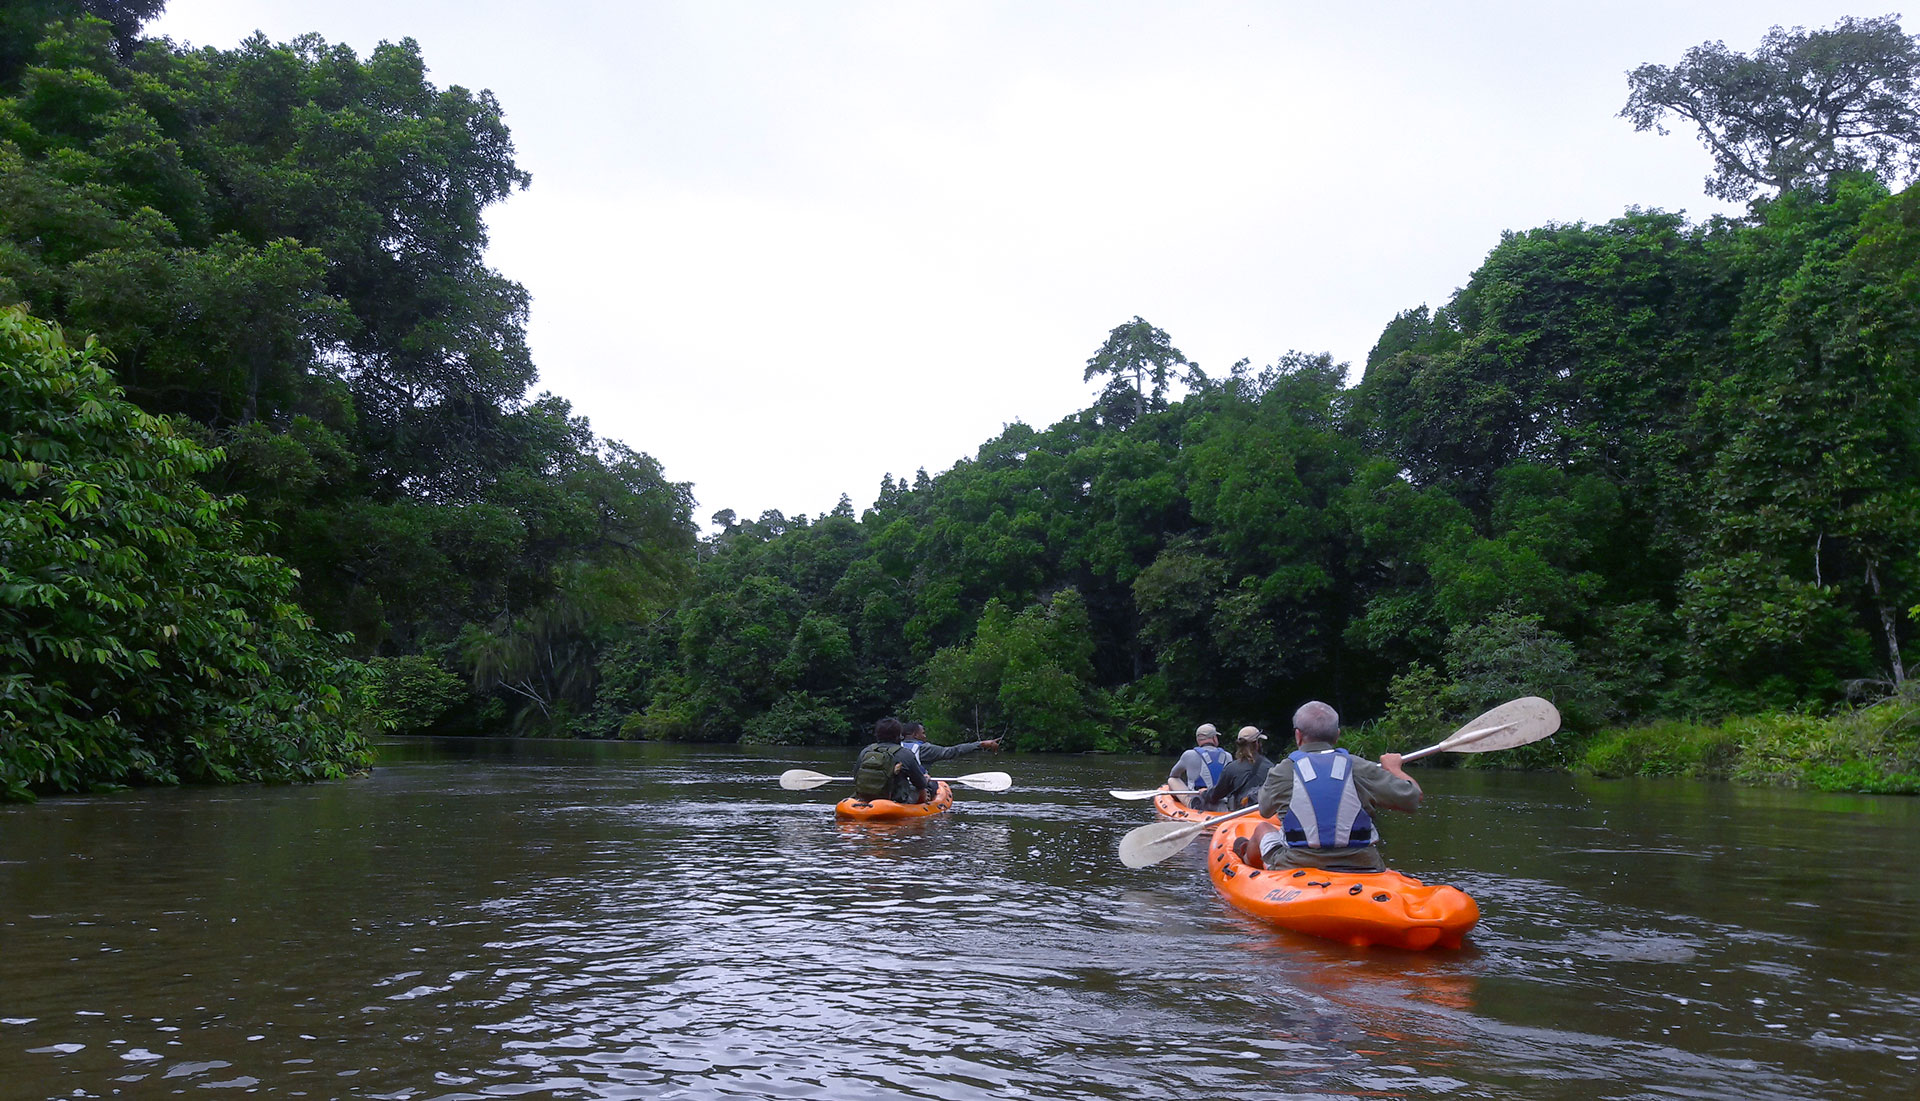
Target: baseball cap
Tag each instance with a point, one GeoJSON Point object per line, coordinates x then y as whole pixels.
{"type": "Point", "coordinates": [1206, 730]}
{"type": "Point", "coordinates": [1251, 734]}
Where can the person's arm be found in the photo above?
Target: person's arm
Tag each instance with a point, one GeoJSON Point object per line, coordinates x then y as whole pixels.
{"type": "Point", "coordinates": [932, 754]}
{"type": "Point", "coordinates": [1387, 784]}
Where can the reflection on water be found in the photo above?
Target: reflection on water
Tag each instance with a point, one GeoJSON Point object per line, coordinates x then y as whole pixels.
{"type": "Point", "coordinates": [590, 920]}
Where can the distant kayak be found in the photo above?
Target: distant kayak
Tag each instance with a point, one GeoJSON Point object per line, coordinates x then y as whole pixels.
{"type": "Point", "coordinates": [886, 810]}
{"type": "Point", "coordinates": [1177, 810]}
{"type": "Point", "coordinates": [1359, 908]}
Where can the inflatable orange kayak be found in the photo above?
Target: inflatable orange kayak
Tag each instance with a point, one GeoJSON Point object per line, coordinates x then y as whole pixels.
{"type": "Point", "coordinates": [1177, 810]}
{"type": "Point", "coordinates": [1360, 908]}
{"type": "Point", "coordinates": [886, 810]}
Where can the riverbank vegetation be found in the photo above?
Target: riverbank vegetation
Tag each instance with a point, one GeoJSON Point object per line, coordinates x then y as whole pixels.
{"type": "Point", "coordinates": [1662, 472]}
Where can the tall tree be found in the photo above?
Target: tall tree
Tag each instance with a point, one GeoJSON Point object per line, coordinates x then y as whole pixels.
{"type": "Point", "coordinates": [1804, 105]}
{"type": "Point", "coordinates": [1137, 359]}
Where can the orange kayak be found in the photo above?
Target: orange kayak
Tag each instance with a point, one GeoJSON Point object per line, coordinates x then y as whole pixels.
{"type": "Point", "coordinates": [1360, 908]}
{"type": "Point", "coordinates": [1177, 809]}
{"type": "Point", "coordinates": [886, 810]}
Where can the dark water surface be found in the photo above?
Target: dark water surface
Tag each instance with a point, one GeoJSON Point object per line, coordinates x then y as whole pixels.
{"type": "Point", "coordinates": [582, 920]}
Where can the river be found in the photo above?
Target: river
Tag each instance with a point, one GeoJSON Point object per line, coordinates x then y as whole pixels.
{"type": "Point", "coordinates": [589, 920]}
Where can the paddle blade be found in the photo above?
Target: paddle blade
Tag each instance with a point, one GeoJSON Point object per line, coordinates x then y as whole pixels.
{"type": "Point", "coordinates": [984, 781]}
{"type": "Point", "coordinates": [1145, 793]}
{"type": "Point", "coordinates": [1153, 843]}
{"type": "Point", "coordinates": [801, 779]}
{"type": "Point", "coordinates": [1517, 722]}
{"type": "Point", "coordinates": [1514, 723]}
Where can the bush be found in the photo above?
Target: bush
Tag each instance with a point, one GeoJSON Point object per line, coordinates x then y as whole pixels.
{"type": "Point", "coordinates": [799, 718]}
{"type": "Point", "coordinates": [1874, 749]}
{"type": "Point", "coordinates": [414, 692]}
{"type": "Point", "coordinates": [1669, 748]}
{"type": "Point", "coordinates": [1143, 719]}
{"type": "Point", "coordinates": [1777, 747]}
{"type": "Point", "coordinates": [145, 641]}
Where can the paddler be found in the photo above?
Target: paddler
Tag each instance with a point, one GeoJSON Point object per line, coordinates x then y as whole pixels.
{"type": "Point", "coordinates": [887, 770]}
{"type": "Point", "coordinates": [1240, 781]}
{"type": "Point", "coordinates": [913, 739]}
{"type": "Point", "coordinates": [1199, 768]}
{"type": "Point", "coordinates": [1326, 798]}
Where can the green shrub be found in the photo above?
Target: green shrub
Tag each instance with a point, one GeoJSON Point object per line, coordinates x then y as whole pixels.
{"type": "Point", "coordinates": [1858, 775]}
{"type": "Point", "coordinates": [144, 639]}
{"type": "Point", "coordinates": [799, 718]}
{"type": "Point", "coordinates": [414, 692]}
{"type": "Point", "coordinates": [1143, 719]}
{"type": "Point", "coordinates": [1776, 747]}
{"type": "Point", "coordinates": [1670, 748]}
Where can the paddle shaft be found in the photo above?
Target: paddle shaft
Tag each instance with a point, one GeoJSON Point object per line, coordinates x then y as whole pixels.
{"type": "Point", "coordinates": [1454, 742]}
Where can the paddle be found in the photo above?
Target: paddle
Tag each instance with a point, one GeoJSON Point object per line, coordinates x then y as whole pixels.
{"type": "Point", "coordinates": [1515, 723]}
{"type": "Point", "coordinates": [800, 779]}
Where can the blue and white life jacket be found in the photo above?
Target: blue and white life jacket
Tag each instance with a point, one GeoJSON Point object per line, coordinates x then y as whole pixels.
{"type": "Point", "coordinates": [1325, 812]}
{"type": "Point", "coordinates": [1216, 761]}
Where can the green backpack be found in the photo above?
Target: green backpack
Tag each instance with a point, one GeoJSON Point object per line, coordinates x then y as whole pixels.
{"type": "Point", "coordinates": [873, 776]}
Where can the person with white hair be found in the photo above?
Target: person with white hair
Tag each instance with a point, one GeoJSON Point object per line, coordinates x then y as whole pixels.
{"type": "Point", "coordinates": [1325, 799]}
{"type": "Point", "coordinates": [1199, 768]}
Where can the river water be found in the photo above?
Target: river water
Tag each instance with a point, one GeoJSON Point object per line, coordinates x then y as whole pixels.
{"type": "Point", "coordinates": [585, 920]}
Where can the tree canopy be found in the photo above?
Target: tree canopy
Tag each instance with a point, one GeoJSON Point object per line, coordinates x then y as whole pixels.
{"type": "Point", "coordinates": [274, 470]}
{"type": "Point", "coordinates": [1645, 467]}
{"type": "Point", "coordinates": [282, 244]}
{"type": "Point", "coordinates": [1803, 106]}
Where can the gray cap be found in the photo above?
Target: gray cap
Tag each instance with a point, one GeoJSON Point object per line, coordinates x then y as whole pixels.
{"type": "Point", "coordinates": [1251, 734]}
{"type": "Point", "coordinates": [1205, 730]}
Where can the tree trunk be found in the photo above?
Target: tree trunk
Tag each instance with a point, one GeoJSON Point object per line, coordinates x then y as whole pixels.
{"type": "Point", "coordinates": [1890, 625]}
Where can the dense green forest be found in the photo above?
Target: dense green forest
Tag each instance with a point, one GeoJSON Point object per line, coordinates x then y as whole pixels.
{"type": "Point", "coordinates": [272, 479]}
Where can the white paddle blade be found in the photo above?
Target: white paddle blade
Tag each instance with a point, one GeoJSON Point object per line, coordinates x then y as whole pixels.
{"type": "Point", "coordinates": [1514, 723]}
{"type": "Point", "coordinates": [1153, 843]}
{"type": "Point", "coordinates": [802, 779]}
{"type": "Point", "coordinates": [984, 781]}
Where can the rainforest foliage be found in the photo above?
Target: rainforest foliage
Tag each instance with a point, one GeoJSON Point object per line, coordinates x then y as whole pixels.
{"type": "Point", "coordinates": [272, 478]}
{"type": "Point", "coordinates": [281, 248]}
{"type": "Point", "coordinates": [1650, 469]}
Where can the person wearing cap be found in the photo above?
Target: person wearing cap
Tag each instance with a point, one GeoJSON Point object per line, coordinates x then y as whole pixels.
{"type": "Point", "coordinates": [1240, 781]}
{"type": "Point", "coordinates": [1201, 766]}
{"type": "Point", "coordinates": [914, 740]}
{"type": "Point", "coordinates": [1325, 799]}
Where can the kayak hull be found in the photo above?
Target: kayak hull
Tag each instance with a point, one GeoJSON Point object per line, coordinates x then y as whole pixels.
{"type": "Point", "coordinates": [886, 810]}
{"type": "Point", "coordinates": [1177, 810]}
{"type": "Point", "coordinates": [1358, 908]}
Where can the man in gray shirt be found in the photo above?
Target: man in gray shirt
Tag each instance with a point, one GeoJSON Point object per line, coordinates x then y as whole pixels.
{"type": "Point", "coordinates": [913, 738]}
{"type": "Point", "coordinates": [1325, 799]}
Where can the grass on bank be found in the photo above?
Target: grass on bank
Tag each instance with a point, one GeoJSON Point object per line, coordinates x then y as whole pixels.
{"type": "Point", "coordinates": [1873, 749]}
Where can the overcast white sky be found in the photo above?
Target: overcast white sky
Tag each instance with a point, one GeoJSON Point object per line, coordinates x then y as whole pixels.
{"type": "Point", "coordinates": [789, 247]}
